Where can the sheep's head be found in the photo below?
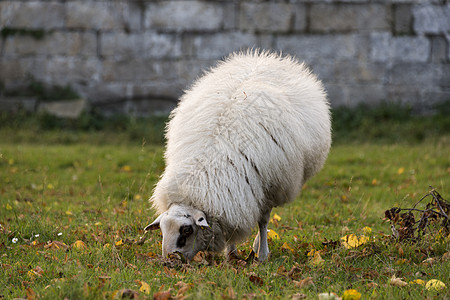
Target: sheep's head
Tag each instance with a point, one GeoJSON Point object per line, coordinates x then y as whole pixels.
{"type": "Point", "coordinates": [180, 227]}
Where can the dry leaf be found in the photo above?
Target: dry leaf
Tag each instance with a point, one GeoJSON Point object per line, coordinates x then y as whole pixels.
{"type": "Point", "coordinates": [79, 245]}
{"type": "Point", "coordinates": [317, 260]}
{"type": "Point", "coordinates": [145, 288]}
{"type": "Point", "coordinates": [394, 281]}
{"type": "Point", "coordinates": [304, 282]}
{"type": "Point", "coordinates": [351, 295]}
{"type": "Point", "coordinates": [328, 296]}
{"type": "Point", "coordinates": [119, 243]}
{"type": "Point", "coordinates": [435, 284]}
{"type": "Point", "coordinates": [446, 256]}
{"type": "Point", "coordinates": [164, 295]}
{"type": "Point", "coordinates": [30, 294]}
{"type": "Point", "coordinates": [272, 235]}
{"type": "Point", "coordinates": [56, 245]}
{"type": "Point", "coordinates": [255, 279]}
{"type": "Point", "coordinates": [417, 281]}
{"type": "Point", "coordinates": [286, 246]}
{"type": "Point", "coordinates": [352, 241]}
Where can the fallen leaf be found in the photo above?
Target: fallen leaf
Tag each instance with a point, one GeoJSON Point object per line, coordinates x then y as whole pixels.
{"type": "Point", "coordinates": [30, 294]}
{"type": "Point", "coordinates": [394, 281]}
{"type": "Point", "coordinates": [163, 295]}
{"type": "Point", "coordinates": [317, 260]}
{"type": "Point", "coordinates": [255, 279]}
{"type": "Point", "coordinates": [145, 288]}
{"type": "Point", "coordinates": [286, 246]}
{"type": "Point", "coordinates": [276, 217]}
{"type": "Point", "coordinates": [446, 256]}
{"type": "Point", "coordinates": [56, 245]}
{"type": "Point", "coordinates": [272, 235]}
{"type": "Point", "coordinates": [119, 243]}
{"type": "Point", "coordinates": [351, 295]}
{"type": "Point", "coordinates": [417, 281]}
{"type": "Point", "coordinates": [352, 241]}
{"type": "Point", "coordinates": [80, 245]}
{"type": "Point", "coordinates": [434, 284]}
{"type": "Point", "coordinates": [400, 171]}
{"type": "Point", "coordinates": [328, 296]}
{"type": "Point", "coordinates": [304, 282]}
{"type": "Point", "coordinates": [367, 230]}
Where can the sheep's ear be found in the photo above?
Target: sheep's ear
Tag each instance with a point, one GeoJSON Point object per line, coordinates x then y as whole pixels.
{"type": "Point", "coordinates": [155, 224]}
{"type": "Point", "coordinates": [200, 219]}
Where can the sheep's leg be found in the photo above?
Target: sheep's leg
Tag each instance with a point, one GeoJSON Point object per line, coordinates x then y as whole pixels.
{"type": "Point", "coordinates": [260, 246]}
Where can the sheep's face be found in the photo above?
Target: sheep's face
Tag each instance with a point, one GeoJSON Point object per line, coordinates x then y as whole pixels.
{"type": "Point", "coordinates": [180, 226]}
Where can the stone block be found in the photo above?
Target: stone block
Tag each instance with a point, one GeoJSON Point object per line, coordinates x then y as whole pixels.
{"type": "Point", "coordinates": [431, 19]}
{"type": "Point", "coordinates": [63, 70]}
{"type": "Point", "coordinates": [300, 15]}
{"type": "Point", "coordinates": [44, 15]}
{"type": "Point", "coordinates": [266, 17]}
{"type": "Point", "coordinates": [218, 45]}
{"type": "Point", "coordinates": [102, 15]}
{"type": "Point", "coordinates": [386, 48]}
{"type": "Point", "coordinates": [357, 72]}
{"type": "Point", "coordinates": [439, 49]}
{"type": "Point", "coordinates": [403, 19]}
{"type": "Point", "coordinates": [326, 18]}
{"type": "Point", "coordinates": [54, 43]}
{"type": "Point", "coordinates": [370, 94]}
{"type": "Point", "coordinates": [69, 109]}
{"type": "Point", "coordinates": [139, 70]}
{"type": "Point", "coordinates": [184, 16]}
{"type": "Point", "coordinates": [140, 45]}
{"type": "Point", "coordinates": [420, 75]}
{"type": "Point", "coordinates": [307, 47]}
{"type": "Point", "coordinates": [16, 104]}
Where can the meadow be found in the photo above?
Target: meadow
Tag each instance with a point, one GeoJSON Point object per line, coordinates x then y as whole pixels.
{"type": "Point", "coordinates": [73, 205]}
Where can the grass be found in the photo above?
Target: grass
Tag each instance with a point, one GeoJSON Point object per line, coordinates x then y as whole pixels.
{"type": "Point", "coordinates": [92, 185]}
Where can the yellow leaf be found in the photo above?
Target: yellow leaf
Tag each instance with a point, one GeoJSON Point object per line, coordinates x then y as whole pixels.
{"type": "Point", "coordinates": [119, 243]}
{"type": "Point", "coordinates": [69, 213]}
{"type": "Point", "coordinates": [351, 295]}
{"type": "Point", "coordinates": [107, 245]}
{"type": "Point", "coordinates": [126, 168]}
{"type": "Point", "coordinates": [272, 234]}
{"type": "Point", "coordinates": [317, 260]}
{"type": "Point", "coordinates": [50, 186]}
{"type": "Point", "coordinates": [98, 223]}
{"type": "Point", "coordinates": [276, 217]}
{"type": "Point", "coordinates": [367, 230]}
{"type": "Point", "coordinates": [79, 245]}
{"type": "Point", "coordinates": [287, 247]}
{"type": "Point", "coordinates": [145, 288]}
{"type": "Point", "coordinates": [435, 284]}
{"type": "Point", "coordinates": [8, 207]}
{"type": "Point", "coordinates": [353, 241]}
{"type": "Point", "coordinates": [417, 281]}
{"type": "Point", "coordinates": [374, 181]}
{"type": "Point", "coordinates": [312, 252]}
{"type": "Point", "coordinates": [137, 197]}
{"type": "Point", "coordinates": [400, 171]}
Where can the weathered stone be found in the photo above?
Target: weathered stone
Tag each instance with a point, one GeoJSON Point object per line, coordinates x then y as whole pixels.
{"type": "Point", "coordinates": [432, 19]}
{"type": "Point", "coordinates": [140, 45]}
{"type": "Point", "coordinates": [439, 49]}
{"type": "Point", "coordinates": [386, 48]}
{"type": "Point", "coordinates": [139, 70]}
{"type": "Point", "coordinates": [349, 17]}
{"type": "Point", "coordinates": [184, 16]}
{"type": "Point", "coordinates": [216, 46]}
{"type": "Point", "coordinates": [69, 70]}
{"type": "Point", "coordinates": [300, 15]}
{"type": "Point", "coordinates": [266, 17]}
{"type": "Point", "coordinates": [70, 109]}
{"type": "Point", "coordinates": [55, 43]}
{"type": "Point", "coordinates": [417, 75]}
{"type": "Point", "coordinates": [353, 71]}
{"type": "Point", "coordinates": [16, 104]}
{"type": "Point", "coordinates": [369, 93]}
{"type": "Point", "coordinates": [307, 47]}
{"type": "Point", "coordinates": [101, 15]}
{"type": "Point", "coordinates": [403, 19]}
{"type": "Point", "coordinates": [43, 15]}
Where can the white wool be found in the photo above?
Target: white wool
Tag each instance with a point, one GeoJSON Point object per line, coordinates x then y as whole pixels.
{"type": "Point", "coordinates": [244, 139]}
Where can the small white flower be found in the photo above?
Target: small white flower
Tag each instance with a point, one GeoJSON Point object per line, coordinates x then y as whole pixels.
{"type": "Point", "coordinates": [36, 235]}
{"type": "Point", "coordinates": [14, 240]}
{"type": "Point", "coordinates": [60, 234]}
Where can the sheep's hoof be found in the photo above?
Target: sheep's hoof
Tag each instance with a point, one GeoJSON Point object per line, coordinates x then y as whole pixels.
{"type": "Point", "coordinates": [262, 256]}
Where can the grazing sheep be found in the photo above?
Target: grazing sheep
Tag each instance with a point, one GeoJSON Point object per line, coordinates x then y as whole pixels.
{"type": "Point", "coordinates": [242, 140]}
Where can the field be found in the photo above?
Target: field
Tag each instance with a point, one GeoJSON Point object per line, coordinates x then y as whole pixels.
{"type": "Point", "coordinates": [73, 205]}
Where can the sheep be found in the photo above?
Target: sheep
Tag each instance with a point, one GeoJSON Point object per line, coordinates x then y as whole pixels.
{"type": "Point", "coordinates": [242, 140]}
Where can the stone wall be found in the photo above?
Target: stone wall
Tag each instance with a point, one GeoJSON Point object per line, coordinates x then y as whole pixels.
{"type": "Point", "coordinates": [129, 55]}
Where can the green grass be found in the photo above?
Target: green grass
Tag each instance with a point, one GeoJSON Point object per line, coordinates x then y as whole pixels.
{"type": "Point", "coordinates": [91, 185]}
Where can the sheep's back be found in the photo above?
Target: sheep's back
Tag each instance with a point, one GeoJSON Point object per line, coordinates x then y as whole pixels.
{"type": "Point", "coordinates": [247, 135]}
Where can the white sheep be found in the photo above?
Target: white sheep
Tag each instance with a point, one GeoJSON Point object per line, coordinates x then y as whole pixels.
{"type": "Point", "coordinates": [242, 140]}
